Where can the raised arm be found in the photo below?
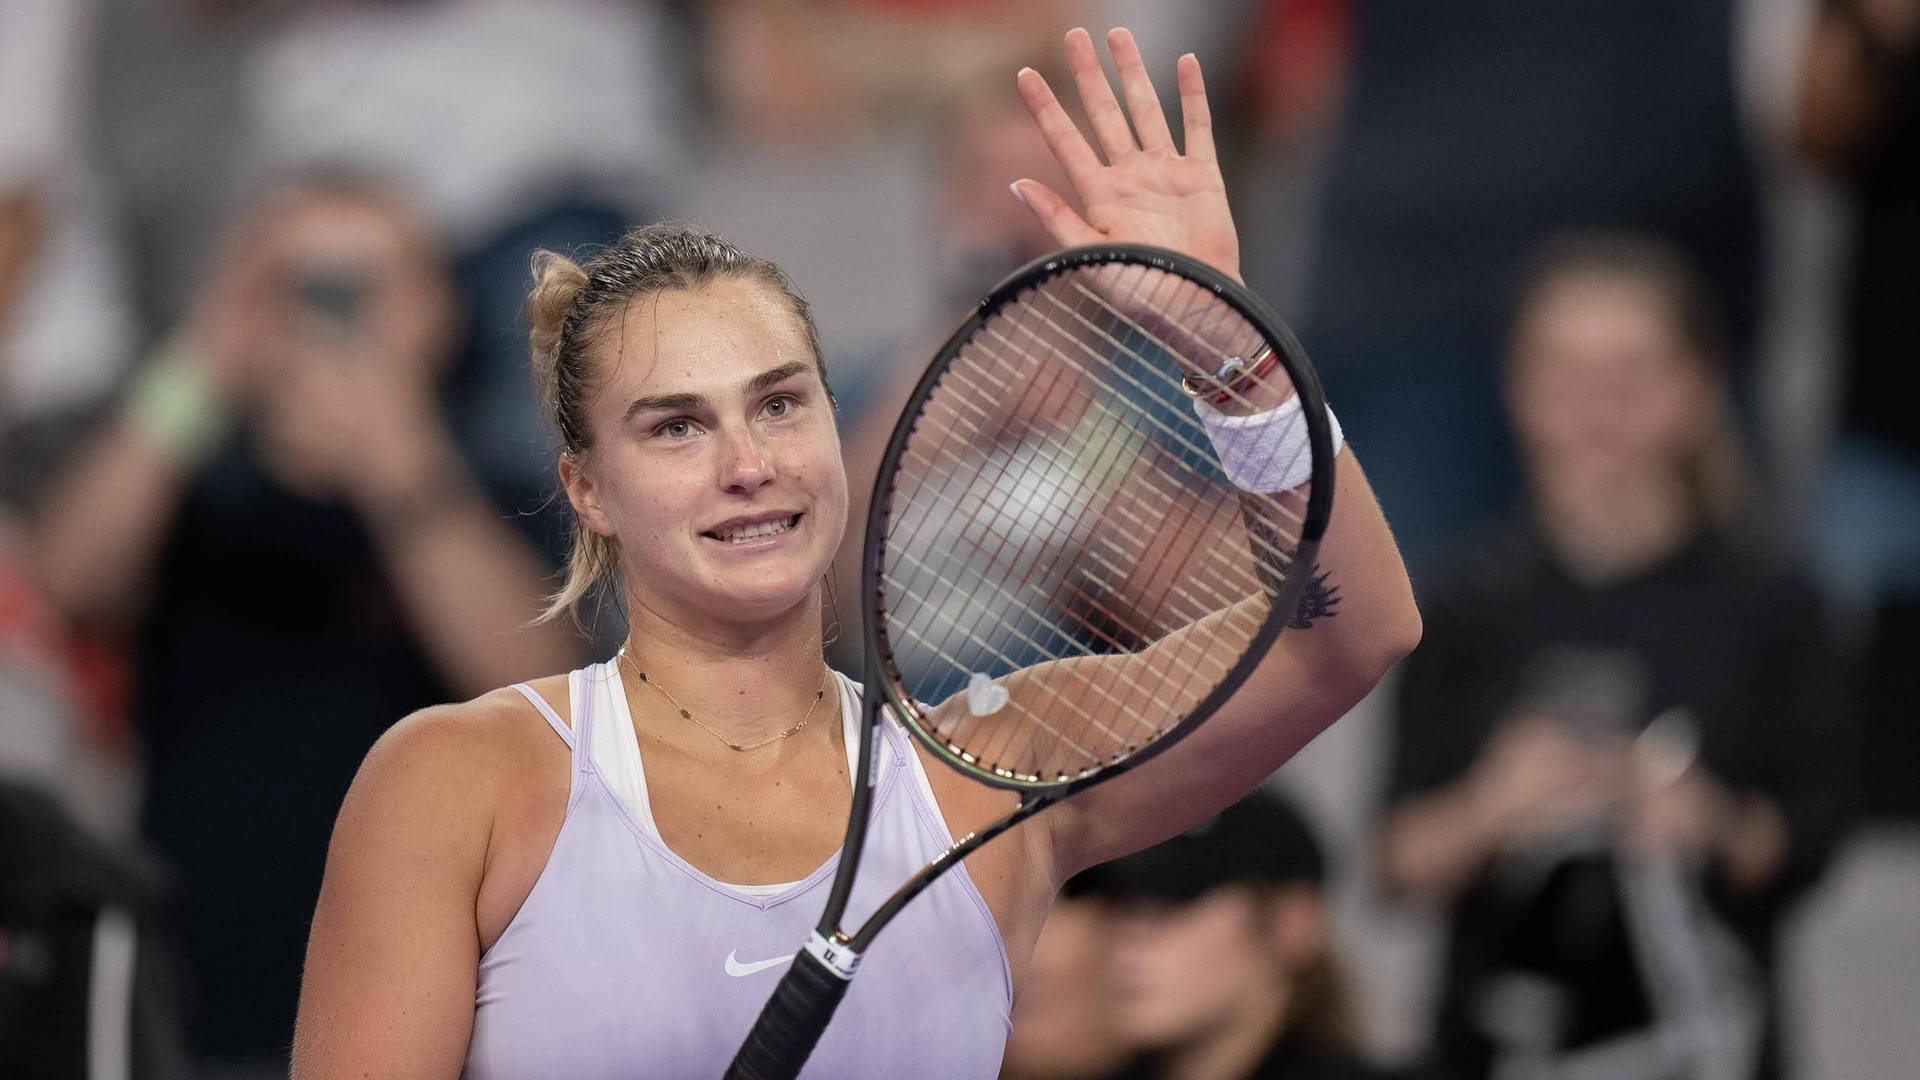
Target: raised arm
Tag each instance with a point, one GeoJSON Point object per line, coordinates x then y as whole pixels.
{"type": "Point", "coordinates": [100, 534]}
{"type": "Point", "coordinates": [1150, 191]}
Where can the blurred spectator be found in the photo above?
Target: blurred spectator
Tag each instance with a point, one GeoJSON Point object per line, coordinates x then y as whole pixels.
{"type": "Point", "coordinates": [1065, 1025]}
{"type": "Point", "coordinates": [281, 511]}
{"type": "Point", "coordinates": [85, 986]}
{"type": "Point", "coordinates": [65, 334]}
{"type": "Point", "coordinates": [512, 126]}
{"type": "Point", "coordinates": [70, 330]}
{"type": "Point", "coordinates": [1471, 131]}
{"type": "Point", "coordinates": [87, 973]}
{"type": "Point", "coordinates": [1860, 117]}
{"type": "Point", "coordinates": [1292, 71]}
{"type": "Point", "coordinates": [487, 112]}
{"type": "Point", "coordinates": [798, 72]}
{"type": "Point", "coordinates": [1622, 744]}
{"type": "Point", "coordinates": [1222, 962]}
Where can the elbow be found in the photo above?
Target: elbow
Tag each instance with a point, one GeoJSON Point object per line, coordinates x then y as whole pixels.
{"type": "Point", "coordinates": [1404, 636]}
{"type": "Point", "coordinates": [1389, 643]}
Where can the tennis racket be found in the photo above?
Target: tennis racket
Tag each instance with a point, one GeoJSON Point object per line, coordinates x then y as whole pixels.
{"type": "Point", "coordinates": [1060, 582]}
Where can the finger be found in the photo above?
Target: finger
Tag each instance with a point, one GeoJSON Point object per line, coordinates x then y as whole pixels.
{"type": "Point", "coordinates": [1096, 97]}
{"type": "Point", "coordinates": [1142, 102]}
{"type": "Point", "coordinates": [1069, 147]}
{"type": "Point", "coordinates": [1066, 227]}
{"type": "Point", "coordinates": [1193, 109]}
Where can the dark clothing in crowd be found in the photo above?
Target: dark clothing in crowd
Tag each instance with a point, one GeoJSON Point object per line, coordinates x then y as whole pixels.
{"type": "Point", "coordinates": [1474, 131]}
{"type": "Point", "coordinates": [276, 652]}
{"type": "Point", "coordinates": [1883, 322]}
{"type": "Point", "coordinates": [86, 969]}
{"type": "Point", "coordinates": [1734, 646]}
{"type": "Point", "coordinates": [1471, 133]}
{"type": "Point", "coordinates": [274, 656]}
{"type": "Point", "coordinates": [1880, 440]}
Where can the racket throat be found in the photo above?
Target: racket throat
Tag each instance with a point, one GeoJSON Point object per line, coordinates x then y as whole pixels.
{"type": "Point", "coordinates": [835, 953]}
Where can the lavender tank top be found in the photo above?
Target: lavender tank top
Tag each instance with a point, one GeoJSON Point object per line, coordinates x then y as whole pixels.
{"type": "Point", "coordinates": [626, 962]}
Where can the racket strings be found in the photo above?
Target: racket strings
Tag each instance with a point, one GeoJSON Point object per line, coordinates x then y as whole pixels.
{"type": "Point", "coordinates": [1175, 397]}
{"type": "Point", "coordinates": [1181, 403]}
{"type": "Point", "coordinates": [1059, 502]}
{"type": "Point", "coordinates": [1076, 743]}
{"type": "Point", "coordinates": [1040, 441]}
{"type": "Point", "coordinates": [1196, 442]}
{"type": "Point", "coordinates": [1113, 562]}
{"type": "Point", "coordinates": [943, 647]}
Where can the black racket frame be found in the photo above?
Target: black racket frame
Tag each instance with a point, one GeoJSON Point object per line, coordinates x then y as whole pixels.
{"type": "Point", "coordinates": [797, 1014]}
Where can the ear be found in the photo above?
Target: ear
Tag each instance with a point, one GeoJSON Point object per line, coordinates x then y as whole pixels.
{"type": "Point", "coordinates": [1297, 925]}
{"type": "Point", "coordinates": [584, 495]}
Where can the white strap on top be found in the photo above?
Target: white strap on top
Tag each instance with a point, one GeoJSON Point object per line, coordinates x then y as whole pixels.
{"type": "Point", "coordinates": [546, 710]}
{"type": "Point", "coordinates": [615, 751]}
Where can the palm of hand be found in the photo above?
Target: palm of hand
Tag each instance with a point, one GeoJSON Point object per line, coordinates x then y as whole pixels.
{"type": "Point", "coordinates": [1172, 203]}
{"type": "Point", "coordinates": [1146, 191]}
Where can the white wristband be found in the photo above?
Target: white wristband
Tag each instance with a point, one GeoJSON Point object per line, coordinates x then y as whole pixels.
{"type": "Point", "coordinates": [1267, 451]}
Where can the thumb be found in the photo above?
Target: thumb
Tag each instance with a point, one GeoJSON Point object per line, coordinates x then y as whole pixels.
{"type": "Point", "coordinates": [1066, 227]}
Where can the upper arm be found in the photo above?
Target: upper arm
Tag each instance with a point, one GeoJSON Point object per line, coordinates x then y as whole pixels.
{"type": "Point", "coordinates": [394, 952]}
{"type": "Point", "coordinates": [1280, 708]}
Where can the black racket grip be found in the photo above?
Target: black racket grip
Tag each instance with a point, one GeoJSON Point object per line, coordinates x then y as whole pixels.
{"type": "Point", "coordinates": [791, 1024]}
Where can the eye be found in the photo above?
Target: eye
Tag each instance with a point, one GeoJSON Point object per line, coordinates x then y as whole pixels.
{"type": "Point", "coordinates": [677, 428]}
{"type": "Point", "coordinates": [777, 407]}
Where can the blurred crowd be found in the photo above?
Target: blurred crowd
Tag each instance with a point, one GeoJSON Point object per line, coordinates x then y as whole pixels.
{"type": "Point", "coordinates": [1610, 296]}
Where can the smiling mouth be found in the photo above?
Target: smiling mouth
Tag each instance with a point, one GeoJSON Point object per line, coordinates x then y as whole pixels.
{"type": "Point", "coordinates": [743, 533]}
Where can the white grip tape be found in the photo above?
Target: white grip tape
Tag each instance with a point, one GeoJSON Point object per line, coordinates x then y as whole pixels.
{"type": "Point", "coordinates": [1267, 451]}
{"type": "Point", "coordinates": [840, 959]}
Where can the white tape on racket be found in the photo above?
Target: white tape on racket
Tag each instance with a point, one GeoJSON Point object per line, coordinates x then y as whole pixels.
{"type": "Point", "coordinates": [1267, 451]}
{"type": "Point", "coordinates": [836, 956]}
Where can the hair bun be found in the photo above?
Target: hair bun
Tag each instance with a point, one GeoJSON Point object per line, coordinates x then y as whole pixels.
{"type": "Point", "coordinates": [557, 281]}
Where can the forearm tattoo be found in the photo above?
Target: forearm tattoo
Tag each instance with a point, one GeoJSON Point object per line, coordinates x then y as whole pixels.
{"type": "Point", "coordinates": [1318, 598]}
{"type": "Point", "coordinates": [1317, 601]}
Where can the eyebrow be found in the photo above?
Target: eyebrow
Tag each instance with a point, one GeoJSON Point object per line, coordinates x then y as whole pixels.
{"type": "Point", "coordinates": [762, 381]}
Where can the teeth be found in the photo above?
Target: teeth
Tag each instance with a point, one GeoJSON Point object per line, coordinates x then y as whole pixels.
{"type": "Point", "coordinates": [754, 532]}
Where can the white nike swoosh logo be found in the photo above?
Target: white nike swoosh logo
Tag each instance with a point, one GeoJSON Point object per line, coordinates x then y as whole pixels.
{"type": "Point", "coordinates": [739, 970]}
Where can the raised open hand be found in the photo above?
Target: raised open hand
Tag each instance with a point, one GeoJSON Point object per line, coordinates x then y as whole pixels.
{"type": "Point", "coordinates": [1147, 191]}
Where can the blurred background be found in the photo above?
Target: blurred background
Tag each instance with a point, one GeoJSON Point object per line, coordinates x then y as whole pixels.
{"type": "Point", "coordinates": [1610, 295]}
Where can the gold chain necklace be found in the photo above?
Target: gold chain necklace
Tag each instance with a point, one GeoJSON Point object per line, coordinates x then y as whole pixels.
{"type": "Point", "coordinates": [685, 715]}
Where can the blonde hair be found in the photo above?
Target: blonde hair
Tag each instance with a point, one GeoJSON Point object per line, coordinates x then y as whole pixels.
{"type": "Point", "coordinates": [568, 306]}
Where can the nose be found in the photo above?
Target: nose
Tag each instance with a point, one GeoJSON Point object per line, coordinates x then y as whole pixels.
{"type": "Point", "coordinates": [745, 465]}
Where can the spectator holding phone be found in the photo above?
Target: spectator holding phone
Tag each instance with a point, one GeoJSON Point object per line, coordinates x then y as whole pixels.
{"type": "Point", "coordinates": [1621, 745]}
{"type": "Point", "coordinates": [281, 516]}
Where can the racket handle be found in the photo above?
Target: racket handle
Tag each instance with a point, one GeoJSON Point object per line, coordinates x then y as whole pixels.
{"type": "Point", "coordinates": [791, 1023]}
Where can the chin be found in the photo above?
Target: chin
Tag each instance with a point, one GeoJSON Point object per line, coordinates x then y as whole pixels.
{"type": "Point", "coordinates": [1152, 1027]}
{"type": "Point", "coordinates": [761, 601]}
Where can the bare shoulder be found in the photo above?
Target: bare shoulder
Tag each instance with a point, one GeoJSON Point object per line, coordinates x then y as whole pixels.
{"type": "Point", "coordinates": [449, 764]}
{"type": "Point", "coordinates": [393, 952]}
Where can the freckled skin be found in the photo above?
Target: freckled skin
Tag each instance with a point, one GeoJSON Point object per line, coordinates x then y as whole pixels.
{"type": "Point", "coordinates": [671, 474]}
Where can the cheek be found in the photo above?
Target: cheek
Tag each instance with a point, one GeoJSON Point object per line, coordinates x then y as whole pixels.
{"type": "Point", "coordinates": [823, 472]}
{"type": "Point", "coordinates": [1682, 406]}
{"type": "Point", "coordinates": [647, 502]}
{"type": "Point", "coordinates": [1185, 974]}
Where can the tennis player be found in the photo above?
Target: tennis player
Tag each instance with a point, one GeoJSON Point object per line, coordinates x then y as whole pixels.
{"type": "Point", "coordinates": [603, 874]}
